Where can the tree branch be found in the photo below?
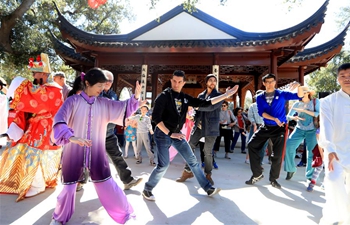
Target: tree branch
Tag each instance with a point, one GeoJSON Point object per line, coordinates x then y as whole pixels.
{"type": "Point", "coordinates": [8, 23]}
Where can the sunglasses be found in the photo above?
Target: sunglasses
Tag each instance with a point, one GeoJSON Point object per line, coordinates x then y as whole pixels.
{"type": "Point", "coordinates": [224, 106]}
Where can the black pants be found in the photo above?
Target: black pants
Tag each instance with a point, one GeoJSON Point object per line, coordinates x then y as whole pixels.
{"type": "Point", "coordinates": [228, 134]}
{"type": "Point", "coordinates": [207, 149]}
{"type": "Point", "coordinates": [201, 148]}
{"type": "Point", "coordinates": [277, 135]}
{"type": "Point", "coordinates": [114, 152]}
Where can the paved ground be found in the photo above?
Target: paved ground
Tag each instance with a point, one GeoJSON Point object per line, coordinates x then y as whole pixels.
{"type": "Point", "coordinates": [186, 203]}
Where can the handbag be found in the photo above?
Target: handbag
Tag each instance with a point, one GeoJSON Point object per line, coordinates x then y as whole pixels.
{"type": "Point", "coordinates": [316, 159]}
{"type": "Point", "coordinates": [292, 124]}
{"type": "Point", "coordinates": [246, 120]}
{"type": "Point", "coordinates": [317, 118]}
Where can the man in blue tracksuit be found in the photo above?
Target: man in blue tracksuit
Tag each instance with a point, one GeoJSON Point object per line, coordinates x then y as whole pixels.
{"type": "Point", "coordinates": [206, 125]}
{"type": "Point", "coordinates": [271, 106]}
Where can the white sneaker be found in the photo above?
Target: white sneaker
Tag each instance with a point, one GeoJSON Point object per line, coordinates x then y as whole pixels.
{"type": "Point", "coordinates": [247, 161]}
{"type": "Point", "coordinates": [55, 222]}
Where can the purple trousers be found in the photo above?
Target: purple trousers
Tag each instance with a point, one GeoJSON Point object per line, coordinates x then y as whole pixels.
{"type": "Point", "coordinates": [110, 195]}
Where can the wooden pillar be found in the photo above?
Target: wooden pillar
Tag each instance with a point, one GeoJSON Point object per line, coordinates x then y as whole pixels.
{"type": "Point", "coordinates": [144, 72]}
{"type": "Point", "coordinates": [154, 79]}
{"type": "Point", "coordinates": [273, 64]}
{"type": "Point", "coordinates": [301, 75]}
{"type": "Point", "coordinates": [215, 71]}
{"type": "Point", "coordinates": [242, 98]}
{"type": "Point", "coordinates": [235, 100]}
{"type": "Point", "coordinates": [256, 83]}
{"type": "Point", "coordinates": [97, 60]}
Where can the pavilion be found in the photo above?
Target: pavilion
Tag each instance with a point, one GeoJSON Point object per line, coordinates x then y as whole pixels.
{"type": "Point", "coordinates": [199, 44]}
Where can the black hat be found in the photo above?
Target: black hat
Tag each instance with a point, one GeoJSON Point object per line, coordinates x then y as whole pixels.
{"type": "Point", "coordinates": [209, 76]}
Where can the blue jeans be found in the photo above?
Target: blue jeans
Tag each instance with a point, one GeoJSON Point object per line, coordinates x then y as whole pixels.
{"type": "Point", "coordinates": [235, 138]}
{"type": "Point", "coordinates": [294, 140]}
{"type": "Point", "coordinates": [163, 143]}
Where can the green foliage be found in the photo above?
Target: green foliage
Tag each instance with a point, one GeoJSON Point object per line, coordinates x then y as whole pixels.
{"type": "Point", "coordinates": [325, 80]}
{"type": "Point", "coordinates": [29, 36]}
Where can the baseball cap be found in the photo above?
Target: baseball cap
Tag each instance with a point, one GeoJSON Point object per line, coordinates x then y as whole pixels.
{"type": "Point", "coordinates": [209, 76]}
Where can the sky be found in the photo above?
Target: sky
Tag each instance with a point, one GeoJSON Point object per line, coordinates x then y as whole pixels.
{"type": "Point", "coordinates": [249, 15]}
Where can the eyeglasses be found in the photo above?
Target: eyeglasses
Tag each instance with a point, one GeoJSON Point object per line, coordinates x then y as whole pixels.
{"type": "Point", "coordinates": [224, 106]}
{"type": "Point", "coordinates": [109, 81]}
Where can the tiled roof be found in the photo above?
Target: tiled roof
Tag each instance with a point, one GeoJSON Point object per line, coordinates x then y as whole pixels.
{"type": "Point", "coordinates": [240, 38]}
{"type": "Point", "coordinates": [68, 52]}
{"type": "Point", "coordinates": [312, 53]}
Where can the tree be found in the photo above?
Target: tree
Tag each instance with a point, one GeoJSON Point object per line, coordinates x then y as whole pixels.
{"type": "Point", "coordinates": [25, 25]}
{"type": "Point", "coordinates": [325, 80]}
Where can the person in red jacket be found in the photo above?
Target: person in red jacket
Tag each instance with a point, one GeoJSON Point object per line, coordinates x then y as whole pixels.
{"type": "Point", "coordinates": [31, 162]}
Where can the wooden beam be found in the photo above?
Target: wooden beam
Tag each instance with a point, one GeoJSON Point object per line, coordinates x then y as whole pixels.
{"type": "Point", "coordinates": [131, 85]}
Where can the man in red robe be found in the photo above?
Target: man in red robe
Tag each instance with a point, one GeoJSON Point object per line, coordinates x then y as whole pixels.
{"type": "Point", "coordinates": [31, 162]}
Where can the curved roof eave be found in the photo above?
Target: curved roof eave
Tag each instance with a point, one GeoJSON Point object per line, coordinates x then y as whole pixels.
{"type": "Point", "coordinates": [69, 53]}
{"type": "Point", "coordinates": [318, 51]}
{"type": "Point", "coordinates": [243, 38]}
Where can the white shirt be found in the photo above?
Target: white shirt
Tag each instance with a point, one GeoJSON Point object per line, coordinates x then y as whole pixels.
{"type": "Point", "coordinates": [253, 114]}
{"type": "Point", "coordinates": [335, 126]}
{"type": "Point", "coordinates": [4, 110]}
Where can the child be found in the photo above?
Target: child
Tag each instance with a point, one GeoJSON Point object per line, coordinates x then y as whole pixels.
{"type": "Point", "coordinates": [130, 136]}
{"type": "Point", "coordinates": [143, 127]}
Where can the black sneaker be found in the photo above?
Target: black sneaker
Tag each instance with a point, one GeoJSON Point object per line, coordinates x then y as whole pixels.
{"type": "Point", "coordinates": [253, 180]}
{"type": "Point", "coordinates": [275, 184]}
{"type": "Point", "coordinates": [148, 195]}
{"type": "Point", "coordinates": [213, 191]}
{"type": "Point", "coordinates": [289, 175]}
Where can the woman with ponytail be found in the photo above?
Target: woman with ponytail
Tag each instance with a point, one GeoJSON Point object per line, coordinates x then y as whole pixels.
{"type": "Point", "coordinates": [80, 126]}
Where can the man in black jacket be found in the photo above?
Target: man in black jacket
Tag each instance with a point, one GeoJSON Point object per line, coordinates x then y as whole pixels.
{"type": "Point", "coordinates": [169, 115]}
{"type": "Point", "coordinates": [207, 121]}
{"type": "Point", "coordinates": [112, 146]}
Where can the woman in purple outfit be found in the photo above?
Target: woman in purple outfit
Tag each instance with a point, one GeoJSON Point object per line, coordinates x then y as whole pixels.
{"type": "Point", "coordinates": [80, 125]}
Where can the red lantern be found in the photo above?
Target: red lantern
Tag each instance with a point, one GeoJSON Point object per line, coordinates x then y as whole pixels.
{"type": "Point", "coordinates": [93, 4]}
{"type": "Point", "coordinates": [101, 2]}
{"type": "Point", "coordinates": [38, 59]}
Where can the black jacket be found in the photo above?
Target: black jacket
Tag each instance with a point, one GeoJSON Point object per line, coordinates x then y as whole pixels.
{"type": "Point", "coordinates": [165, 109]}
{"type": "Point", "coordinates": [209, 116]}
{"type": "Point", "coordinates": [110, 94]}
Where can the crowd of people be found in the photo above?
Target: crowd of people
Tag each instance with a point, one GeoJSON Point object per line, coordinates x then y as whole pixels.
{"type": "Point", "coordinates": [49, 128]}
